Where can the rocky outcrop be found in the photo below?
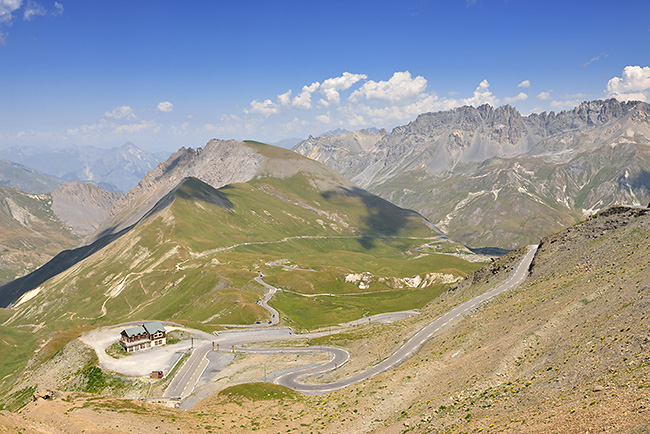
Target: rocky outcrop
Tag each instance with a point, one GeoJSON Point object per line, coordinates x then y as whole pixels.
{"type": "Point", "coordinates": [83, 207]}
{"type": "Point", "coordinates": [339, 151]}
{"type": "Point", "coordinates": [492, 177]}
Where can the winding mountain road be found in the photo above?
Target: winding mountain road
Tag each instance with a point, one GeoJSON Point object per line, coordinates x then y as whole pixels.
{"type": "Point", "coordinates": [188, 375]}
{"type": "Point", "coordinates": [409, 348]}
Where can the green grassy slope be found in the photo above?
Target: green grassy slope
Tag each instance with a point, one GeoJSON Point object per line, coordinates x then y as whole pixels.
{"type": "Point", "coordinates": [196, 259]}
{"type": "Point", "coordinates": [30, 233]}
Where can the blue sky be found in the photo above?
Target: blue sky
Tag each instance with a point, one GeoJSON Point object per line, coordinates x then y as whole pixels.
{"type": "Point", "coordinates": [165, 74]}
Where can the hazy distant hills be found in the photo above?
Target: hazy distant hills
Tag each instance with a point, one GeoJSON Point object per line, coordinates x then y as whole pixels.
{"type": "Point", "coordinates": [26, 179]}
{"type": "Point", "coordinates": [41, 215]}
{"type": "Point", "coordinates": [490, 176]}
{"type": "Point", "coordinates": [115, 169]}
{"type": "Point", "coordinates": [36, 227]}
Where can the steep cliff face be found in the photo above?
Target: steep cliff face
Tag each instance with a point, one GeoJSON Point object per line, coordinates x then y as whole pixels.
{"type": "Point", "coordinates": [83, 207]}
{"type": "Point", "coordinates": [489, 176]}
{"type": "Point", "coordinates": [340, 151]}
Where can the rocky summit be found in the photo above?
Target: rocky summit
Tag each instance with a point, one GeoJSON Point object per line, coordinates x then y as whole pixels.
{"type": "Point", "coordinates": [492, 177]}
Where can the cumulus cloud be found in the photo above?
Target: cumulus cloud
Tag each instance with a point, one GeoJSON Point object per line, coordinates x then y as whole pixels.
{"type": "Point", "coordinates": [33, 9]}
{"type": "Point", "coordinates": [544, 95]}
{"type": "Point", "coordinates": [303, 99]}
{"type": "Point", "coordinates": [59, 8]}
{"type": "Point", "coordinates": [332, 86]}
{"type": "Point", "coordinates": [121, 112]}
{"type": "Point", "coordinates": [165, 107]}
{"type": "Point", "coordinates": [634, 84]}
{"type": "Point", "coordinates": [285, 98]}
{"type": "Point", "coordinates": [400, 87]}
{"type": "Point", "coordinates": [265, 108]}
{"type": "Point", "coordinates": [482, 95]}
{"type": "Point", "coordinates": [519, 97]}
{"type": "Point", "coordinates": [525, 84]}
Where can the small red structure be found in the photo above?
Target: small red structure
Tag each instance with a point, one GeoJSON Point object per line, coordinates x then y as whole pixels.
{"type": "Point", "coordinates": [156, 374]}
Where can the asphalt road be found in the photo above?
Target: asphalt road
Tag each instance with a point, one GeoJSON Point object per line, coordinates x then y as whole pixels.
{"type": "Point", "coordinates": [410, 347]}
{"type": "Point", "coordinates": [188, 375]}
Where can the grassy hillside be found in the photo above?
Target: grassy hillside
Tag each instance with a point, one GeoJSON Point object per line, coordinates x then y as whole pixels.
{"type": "Point", "coordinates": [195, 256]}
{"type": "Point", "coordinates": [567, 351]}
{"type": "Point", "coordinates": [30, 233]}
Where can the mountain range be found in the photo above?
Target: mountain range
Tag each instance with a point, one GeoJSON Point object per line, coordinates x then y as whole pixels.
{"type": "Point", "coordinates": [492, 177]}
{"type": "Point", "coordinates": [298, 198]}
{"type": "Point", "coordinates": [116, 169]}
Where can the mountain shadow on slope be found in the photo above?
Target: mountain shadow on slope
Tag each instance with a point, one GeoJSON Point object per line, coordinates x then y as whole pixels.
{"type": "Point", "coordinates": [12, 291]}
{"type": "Point", "coordinates": [384, 219]}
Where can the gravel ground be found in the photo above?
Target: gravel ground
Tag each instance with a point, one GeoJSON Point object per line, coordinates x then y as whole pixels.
{"type": "Point", "coordinates": [138, 364]}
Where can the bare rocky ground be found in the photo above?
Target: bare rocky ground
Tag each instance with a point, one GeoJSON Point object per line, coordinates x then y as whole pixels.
{"type": "Point", "coordinates": [566, 352]}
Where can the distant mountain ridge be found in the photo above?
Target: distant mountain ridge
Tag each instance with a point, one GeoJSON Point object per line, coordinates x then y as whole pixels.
{"type": "Point", "coordinates": [490, 176]}
{"type": "Point", "coordinates": [116, 169]}
{"type": "Point", "coordinates": [27, 179]}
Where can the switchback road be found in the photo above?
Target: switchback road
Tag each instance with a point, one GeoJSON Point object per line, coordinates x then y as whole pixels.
{"type": "Point", "coordinates": [185, 380]}
{"type": "Point", "coordinates": [409, 348]}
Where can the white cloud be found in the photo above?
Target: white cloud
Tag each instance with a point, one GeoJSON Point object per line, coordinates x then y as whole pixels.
{"type": "Point", "coordinates": [519, 97]}
{"type": "Point", "coordinates": [265, 108]}
{"type": "Point", "coordinates": [544, 95]}
{"type": "Point", "coordinates": [7, 8]}
{"type": "Point", "coordinates": [121, 112]}
{"type": "Point", "coordinates": [144, 125]}
{"type": "Point", "coordinates": [59, 8]}
{"type": "Point", "coordinates": [3, 38]}
{"type": "Point", "coordinates": [88, 129]}
{"type": "Point", "coordinates": [293, 125]}
{"type": "Point", "coordinates": [326, 119]}
{"type": "Point", "coordinates": [303, 100]}
{"type": "Point", "coordinates": [633, 85]}
{"type": "Point", "coordinates": [285, 98]}
{"type": "Point", "coordinates": [595, 59]}
{"type": "Point", "coordinates": [33, 9]}
{"type": "Point", "coordinates": [400, 87]}
{"type": "Point", "coordinates": [331, 87]}
{"type": "Point", "coordinates": [525, 84]}
{"type": "Point", "coordinates": [561, 105]}
{"type": "Point", "coordinates": [165, 107]}
{"type": "Point", "coordinates": [482, 95]}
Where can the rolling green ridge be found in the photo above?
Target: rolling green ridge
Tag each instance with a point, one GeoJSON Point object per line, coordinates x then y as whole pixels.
{"type": "Point", "coordinates": [194, 259]}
